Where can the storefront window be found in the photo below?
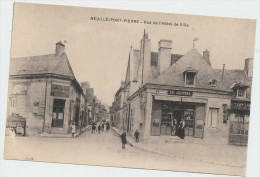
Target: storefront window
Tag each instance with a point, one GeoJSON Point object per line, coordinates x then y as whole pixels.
{"type": "Point", "coordinates": [58, 113]}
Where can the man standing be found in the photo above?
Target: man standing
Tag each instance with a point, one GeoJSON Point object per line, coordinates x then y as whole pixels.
{"type": "Point", "coordinates": [123, 139]}
{"type": "Point", "coordinates": [136, 136]}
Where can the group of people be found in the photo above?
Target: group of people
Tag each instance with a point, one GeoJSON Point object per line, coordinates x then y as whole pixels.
{"type": "Point", "coordinates": [178, 129]}
{"type": "Point", "coordinates": [100, 126]}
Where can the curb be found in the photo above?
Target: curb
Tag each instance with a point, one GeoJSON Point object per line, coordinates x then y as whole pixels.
{"type": "Point", "coordinates": [63, 135]}
{"type": "Point", "coordinates": [176, 156]}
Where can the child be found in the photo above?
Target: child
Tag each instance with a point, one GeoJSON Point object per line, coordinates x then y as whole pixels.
{"type": "Point", "coordinates": [73, 131]}
{"type": "Point", "coordinates": [136, 136]}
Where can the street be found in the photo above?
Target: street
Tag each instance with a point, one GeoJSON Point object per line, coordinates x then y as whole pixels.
{"type": "Point", "coordinates": [103, 149]}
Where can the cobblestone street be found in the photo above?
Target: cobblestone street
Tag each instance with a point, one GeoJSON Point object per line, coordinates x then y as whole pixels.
{"type": "Point", "coordinates": [103, 149]}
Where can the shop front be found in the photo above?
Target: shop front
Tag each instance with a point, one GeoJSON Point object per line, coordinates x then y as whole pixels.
{"type": "Point", "coordinates": [239, 122]}
{"type": "Point", "coordinates": [168, 111]}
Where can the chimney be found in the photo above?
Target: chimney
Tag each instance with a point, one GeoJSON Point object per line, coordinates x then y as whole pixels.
{"type": "Point", "coordinates": [164, 54]}
{"type": "Point", "coordinates": [60, 48]}
{"type": "Point", "coordinates": [249, 67]}
{"type": "Point", "coordinates": [206, 56]}
{"type": "Point", "coordinates": [145, 56]}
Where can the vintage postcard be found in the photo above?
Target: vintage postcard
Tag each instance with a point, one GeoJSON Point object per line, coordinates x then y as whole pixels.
{"type": "Point", "coordinates": [130, 89]}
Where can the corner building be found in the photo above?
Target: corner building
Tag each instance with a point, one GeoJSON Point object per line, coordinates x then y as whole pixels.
{"type": "Point", "coordinates": [44, 90]}
{"type": "Point", "coordinates": [161, 86]}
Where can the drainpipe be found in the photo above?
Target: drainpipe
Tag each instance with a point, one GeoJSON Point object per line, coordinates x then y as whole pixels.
{"type": "Point", "coordinates": [46, 84]}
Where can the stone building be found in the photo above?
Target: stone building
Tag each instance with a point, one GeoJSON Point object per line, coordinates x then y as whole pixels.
{"type": "Point", "coordinates": [161, 86]}
{"type": "Point", "coordinates": [44, 90]}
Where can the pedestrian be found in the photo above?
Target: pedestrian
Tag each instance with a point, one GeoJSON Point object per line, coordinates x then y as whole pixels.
{"type": "Point", "coordinates": [103, 126]}
{"type": "Point", "coordinates": [93, 128]}
{"type": "Point", "coordinates": [73, 130]}
{"type": "Point", "coordinates": [123, 140]}
{"type": "Point", "coordinates": [181, 129]}
{"type": "Point", "coordinates": [173, 126]}
{"type": "Point", "coordinates": [99, 128]}
{"type": "Point", "coordinates": [136, 136]}
{"type": "Point", "coordinates": [108, 126]}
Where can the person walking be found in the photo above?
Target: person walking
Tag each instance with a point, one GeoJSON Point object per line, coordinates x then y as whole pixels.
{"type": "Point", "coordinates": [123, 140]}
{"type": "Point", "coordinates": [105, 128]}
{"type": "Point", "coordinates": [73, 130]}
{"type": "Point", "coordinates": [136, 136]}
{"type": "Point", "coordinates": [108, 126]}
{"type": "Point", "coordinates": [99, 128]}
{"type": "Point", "coordinates": [93, 128]}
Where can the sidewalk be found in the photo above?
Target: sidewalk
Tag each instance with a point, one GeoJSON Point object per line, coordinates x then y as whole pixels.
{"type": "Point", "coordinates": [227, 155]}
{"type": "Point", "coordinates": [65, 135]}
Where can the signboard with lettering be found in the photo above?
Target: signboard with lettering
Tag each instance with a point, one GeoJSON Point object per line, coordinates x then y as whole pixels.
{"type": "Point", "coordinates": [180, 92]}
{"type": "Point", "coordinates": [240, 106]}
{"type": "Point", "coordinates": [19, 88]}
{"type": "Point", "coordinates": [60, 90]}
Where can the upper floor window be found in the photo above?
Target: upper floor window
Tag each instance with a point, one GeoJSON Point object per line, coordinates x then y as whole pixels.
{"type": "Point", "coordinates": [241, 92]}
{"type": "Point", "coordinates": [213, 83]}
{"type": "Point", "coordinates": [189, 76]}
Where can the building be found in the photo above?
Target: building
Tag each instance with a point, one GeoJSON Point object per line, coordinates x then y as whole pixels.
{"type": "Point", "coordinates": [44, 90]}
{"type": "Point", "coordinates": [160, 86]}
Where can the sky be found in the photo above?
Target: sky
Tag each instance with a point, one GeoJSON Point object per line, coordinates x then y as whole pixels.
{"type": "Point", "coordinates": [98, 50]}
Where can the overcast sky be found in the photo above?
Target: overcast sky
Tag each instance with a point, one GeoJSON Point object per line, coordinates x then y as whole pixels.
{"type": "Point", "coordinates": [98, 50]}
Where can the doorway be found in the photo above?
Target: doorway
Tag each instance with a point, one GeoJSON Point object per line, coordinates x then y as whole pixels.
{"type": "Point", "coordinates": [213, 113]}
{"type": "Point", "coordinates": [58, 113]}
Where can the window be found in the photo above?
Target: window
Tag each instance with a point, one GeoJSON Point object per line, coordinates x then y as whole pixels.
{"type": "Point", "coordinates": [213, 113]}
{"type": "Point", "coordinates": [213, 83]}
{"type": "Point", "coordinates": [190, 78]}
{"type": "Point", "coordinates": [241, 93]}
{"type": "Point", "coordinates": [13, 101]}
{"type": "Point", "coordinates": [58, 113]}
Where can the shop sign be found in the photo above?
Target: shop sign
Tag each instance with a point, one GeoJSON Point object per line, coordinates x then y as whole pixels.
{"type": "Point", "coordinates": [180, 92]}
{"type": "Point", "coordinates": [240, 106]}
{"type": "Point", "coordinates": [19, 88]}
{"type": "Point", "coordinates": [60, 90]}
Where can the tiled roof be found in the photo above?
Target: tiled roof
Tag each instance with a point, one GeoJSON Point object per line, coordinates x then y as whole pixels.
{"type": "Point", "coordinates": [42, 64]}
{"type": "Point", "coordinates": [174, 77]}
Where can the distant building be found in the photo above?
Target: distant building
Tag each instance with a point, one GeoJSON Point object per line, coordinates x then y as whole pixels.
{"type": "Point", "coordinates": [161, 86]}
{"type": "Point", "coordinates": [44, 90]}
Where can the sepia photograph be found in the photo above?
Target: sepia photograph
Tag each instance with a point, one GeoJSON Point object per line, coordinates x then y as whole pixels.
{"type": "Point", "coordinates": [131, 89]}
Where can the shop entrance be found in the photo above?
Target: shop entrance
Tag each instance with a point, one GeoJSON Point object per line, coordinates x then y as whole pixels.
{"type": "Point", "coordinates": [164, 113]}
{"type": "Point", "coordinates": [171, 111]}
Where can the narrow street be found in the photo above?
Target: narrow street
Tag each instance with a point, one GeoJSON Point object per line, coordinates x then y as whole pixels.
{"type": "Point", "coordinates": [102, 149]}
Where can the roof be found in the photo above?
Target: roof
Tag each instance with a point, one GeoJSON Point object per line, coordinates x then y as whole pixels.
{"type": "Point", "coordinates": [174, 77]}
{"type": "Point", "coordinates": [42, 64]}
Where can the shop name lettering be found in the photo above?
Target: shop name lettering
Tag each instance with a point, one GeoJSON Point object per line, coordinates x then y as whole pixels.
{"type": "Point", "coordinates": [136, 21]}
{"type": "Point", "coordinates": [180, 92]}
{"type": "Point", "coordinates": [59, 90]}
{"type": "Point", "coordinates": [240, 106]}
